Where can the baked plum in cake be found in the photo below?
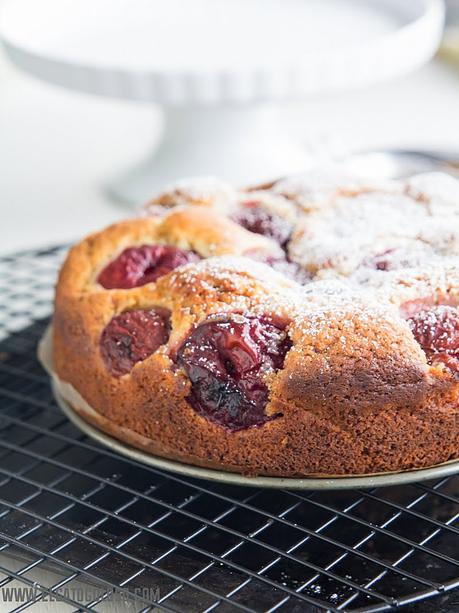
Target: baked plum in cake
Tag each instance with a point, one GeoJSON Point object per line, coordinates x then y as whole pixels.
{"type": "Point", "coordinates": [226, 359]}
{"type": "Point", "coordinates": [143, 264]}
{"type": "Point", "coordinates": [436, 329]}
{"type": "Point", "coordinates": [305, 327]}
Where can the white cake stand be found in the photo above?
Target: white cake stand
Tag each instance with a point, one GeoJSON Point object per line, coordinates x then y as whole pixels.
{"type": "Point", "coordinates": [218, 68]}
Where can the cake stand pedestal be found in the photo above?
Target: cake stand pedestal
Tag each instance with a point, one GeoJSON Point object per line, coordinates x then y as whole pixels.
{"type": "Point", "coordinates": [240, 144]}
{"type": "Point", "coordinates": [219, 69]}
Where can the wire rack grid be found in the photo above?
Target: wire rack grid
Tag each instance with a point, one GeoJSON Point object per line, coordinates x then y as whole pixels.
{"type": "Point", "coordinates": [84, 527]}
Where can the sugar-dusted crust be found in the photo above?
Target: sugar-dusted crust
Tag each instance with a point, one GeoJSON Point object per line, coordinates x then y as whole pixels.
{"type": "Point", "coordinates": [356, 394]}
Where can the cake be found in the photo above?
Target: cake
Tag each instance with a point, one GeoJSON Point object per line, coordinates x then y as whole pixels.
{"type": "Point", "coordinates": [309, 326]}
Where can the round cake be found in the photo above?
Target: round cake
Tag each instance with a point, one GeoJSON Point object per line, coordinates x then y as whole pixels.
{"type": "Point", "coordinates": [309, 326]}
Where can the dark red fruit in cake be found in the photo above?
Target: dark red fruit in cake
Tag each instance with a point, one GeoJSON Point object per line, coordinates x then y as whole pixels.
{"type": "Point", "coordinates": [256, 219]}
{"type": "Point", "coordinates": [381, 261]}
{"type": "Point", "coordinates": [436, 329]}
{"type": "Point", "coordinates": [393, 259]}
{"type": "Point", "coordinates": [132, 337]}
{"type": "Point", "coordinates": [226, 361]}
{"type": "Point", "coordinates": [137, 266]}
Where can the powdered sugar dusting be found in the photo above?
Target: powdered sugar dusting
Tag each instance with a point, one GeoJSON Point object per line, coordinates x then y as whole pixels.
{"type": "Point", "coordinates": [337, 316]}
{"type": "Point", "coordinates": [437, 189]}
{"type": "Point", "coordinates": [271, 202]}
{"type": "Point", "coordinates": [221, 197]}
{"type": "Point", "coordinates": [366, 245]}
{"type": "Point", "coordinates": [439, 277]}
{"type": "Point", "coordinates": [239, 274]}
{"type": "Point", "coordinates": [201, 191]}
{"type": "Point", "coordinates": [348, 233]}
{"type": "Point", "coordinates": [320, 186]}
{"type": "Point", "coordinates": [201, 188]}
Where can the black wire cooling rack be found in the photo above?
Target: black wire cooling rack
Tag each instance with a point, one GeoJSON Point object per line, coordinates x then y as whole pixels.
{"type": "Point", "coordinates": [86, 527]}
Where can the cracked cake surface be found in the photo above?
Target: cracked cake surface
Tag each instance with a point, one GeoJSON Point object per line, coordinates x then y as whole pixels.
{"type": "Point", "coordinates": [306, 327]}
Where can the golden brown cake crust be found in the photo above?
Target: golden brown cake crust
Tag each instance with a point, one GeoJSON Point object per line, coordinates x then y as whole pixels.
{"type": "Point", "coordinates": [356, 394]}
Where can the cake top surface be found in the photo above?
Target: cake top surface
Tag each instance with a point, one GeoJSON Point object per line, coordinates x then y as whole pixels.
{"type": "Point", "coordinates": [342, 225]}
{"type": "Point", "coordinates": [326, 242]}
